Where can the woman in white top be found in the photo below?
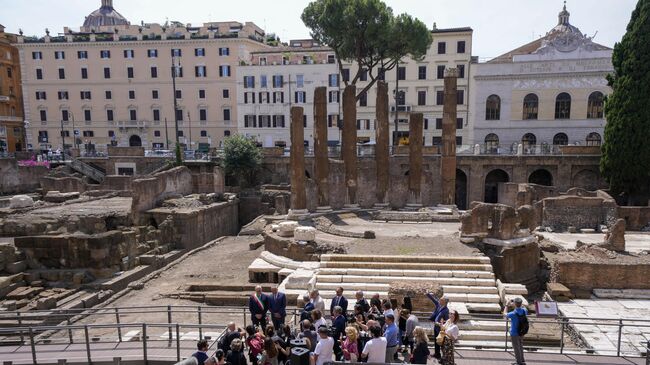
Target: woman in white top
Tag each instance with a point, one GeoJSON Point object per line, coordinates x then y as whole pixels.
{"type": "Point", "coordinates": [451, 335]}
{"type": "Point", "coordinates": [318, 320]}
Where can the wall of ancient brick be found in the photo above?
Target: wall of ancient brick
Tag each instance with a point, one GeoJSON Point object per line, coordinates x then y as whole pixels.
{"type": "Point", "coordinates": [636, 218]}
{"type": "Point", "coordinates": [580, 212]}
{"type": "Point", "coordinates": [16, 179]}
{"type": "Point", "coordinates": [602, 275]}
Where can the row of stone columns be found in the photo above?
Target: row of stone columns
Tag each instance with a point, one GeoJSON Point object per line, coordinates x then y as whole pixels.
{"type": "Point", "coordinates": [349, 148]}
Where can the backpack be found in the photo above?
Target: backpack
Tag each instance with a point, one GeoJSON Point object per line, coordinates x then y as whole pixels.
{"type": "Point", "coordinates": [255, 345]}
{"type": "Point", "coordinates": [523, 324]}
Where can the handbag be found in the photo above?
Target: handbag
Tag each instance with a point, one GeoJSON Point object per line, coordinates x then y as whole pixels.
{"type": "Point", "coordinates": [440, 339]}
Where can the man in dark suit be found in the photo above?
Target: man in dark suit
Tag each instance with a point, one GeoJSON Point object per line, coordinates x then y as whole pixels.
{"type": "Point", "coordinates": [439, 316]}
{"type": "Point", "coordinates": [338, 327]}
{"type": "Point", "coordinates": [258, 304]}
{"type": "Point", "coordinates": [305, 314]}
{"type": "Point", "coordinates": [278, 307]}
{"type": "Point", "coordinates": [339, 300]}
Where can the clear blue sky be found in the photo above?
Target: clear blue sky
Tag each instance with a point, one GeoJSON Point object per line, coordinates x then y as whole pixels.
{"type": "Point", "coordinates": [499, 25]}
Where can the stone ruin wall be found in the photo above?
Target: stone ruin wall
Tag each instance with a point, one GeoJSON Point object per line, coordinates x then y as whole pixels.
{"type": "Point", "coordinates": [149, 192]}
{"type": "Point", "coordinates": [559, 213]}
{"type": "Point", "coordinates": [16, 179]}
{"type": "Point", "coordinates": [586, 276]}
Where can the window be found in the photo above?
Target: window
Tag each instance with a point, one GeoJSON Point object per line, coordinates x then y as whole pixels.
{"type": "Point", "coordinates": [459, 141]}
{"type": "Point", "coordinates": [179, 94]}
{"type": "Point", "coordinates": [179, 115]}
{"type": "Point", "coordinates": [300, 80]}
{"type": "Point", "coordinates": [84, 95]}
{"type": "Point", "coordinates": [460, 97]}
{"type": "Point", "coordinates": [154, 72]}
{"type": "Point", "coordinates": [265, 121]}
{"type": "Point", "coordinates": [10, 72]}
{"type": "Point", "coordinates": [204, 133]}
{"type": "Point", "coordinates": [529, 140]}
{"type": "Point", "coordinates": [459, 123]}
{"type": "Point", "coordinates": [82, 55]}
{"type": "Point", "coordinates": [84, 73]}
{"type": "Point", "coordinates": [199, 52]}
{"type": "Point", "coordinates": [59, 55]}
{"type": "Point", "coordinates": [401, 97]}
{"type": "Point", "coordinates": [105, 54]}
{"type": "Point", "coordinates": [333, 97]}
{"type": "Point", "coordinates": [249, 97]}
{"type": "Point", "coordinates": [226, 114]}
{"type": "Point", "coordinates": [422, 97]}
{"type": "Point", "coordinates": [331, 58]}
{"type": "Point", "coordinates": [154, 94]}
{"type": "Point", "coordinates": [156, 115]}
{"type": "Point", "coordinates": [201, 94]}
{"type": "Point", "coordinates": [129, 72]}
{"type": "Point", "coordinates": [37, 55]}
{"type": "Point", "coordinates": [224, 51]}
{"type": "Point", "coordinates": [41, 95]}
{"type": "Point", "coordinates": [401, 73]}
{"type": "Point", "coordinates": [133, 114]}
{"type": "Point", "coordinates": [203, 115]}
{"type": "Point", "coordinates": [129, 53]}
{"type": "Point", "coordinates": [438, 123]}
{"type": "Point", "coordinates": [131, 94]}
{"type": "Point", "coordinates": [156, 133]}
{"type": "Point", "coordinates": [332, 120]}
{"type": "Point", "coordinates": [493, 108]}
{"type": "Point", "coordinates": [226, 93]}
{"type": "Point", "coordinates": [333, 80]}
{"type": "Point", "coordinates": [39, 74]}
{"type": "Point", "coordinates": [563, 106]}
{"type": "Point", "coordinates": [249, 82]}
{"type": "Point", "coordinates": [426, 124]}
{"type": "Point", "coordinates": [531, 104]}
{"type": "Point", "coordinates": [224, 71]}
{"type": "Point", "coordinates": [87, 116]}
{"type": "Point", "coordinates": [441, 72]}
{"type": "Point", "coordinates": [461, 71]}
{"type": "Point", "coordinates": [177, 71]}
{"type": "Point", "coordinates": [263, 81]}
{"type": "Point", "coordinates": [250, 121]}
{"type": "Point", "coordinates": [61, 74]}
{"type": "Point", "coordinates": [43, 115]}
{"type": "Point", "coordinates": [595, 105]}
{"type": "Point", "coordinates": [437, 141]}
{"type": "Point", "coordinates": [278, 97]}
{"type": "Point", "coordinates": [176, 52]}
{"type": "Point", "coordinates": [109, 115]}
{"type": "Point", "coordinates": [111, 133]}
{"type": "Point", "coordinates": [65, 115]}
{"type": "Point", "coordinates": [491, 143]}
{"type": "Point", "coordinates": [345, 74]}
{"type": "Point", "coordinates": [265, 97]}
{"type": "Point", "coordinates": [442, 47]}
{"type": "Point", "coordinates": [363, 99]}
{"type": "Point", "coordinates": [422, 72]}
{"type": "Point", "coordinates": [460, 47]}
{"type": "Point", "coordinates": [226, 133]}
{"type": "Point", "coordinates": [107, 72]}
{"type": "Point", "coordinates": [65, 133]}
{"type": "Point", "coordinates": [364, 75]}
{"type": "Point", "coordinates": [593, 139]}
{"type": "Point", "coordinates": [300, 97]}
{"type": "Point", "coordinates": [278, 81]}
{"type": "Point", "coordinates": [152, 53]}
{"type": "Point", "coordinates": [180, 133]}
{"type": "Point", "coordinates": [63, 95]}
{"type": "Point", "coordinates": [560, 139]}
{"type": "Point", "coordinates": [200, 71]}
{"type": "Point", "coordinates": [108, 94]}
{"type": "Point", "coordinates": [440, 97]}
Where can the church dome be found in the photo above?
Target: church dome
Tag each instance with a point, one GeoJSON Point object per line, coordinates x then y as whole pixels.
{"type": "Point", "coordinates": [106, 15]}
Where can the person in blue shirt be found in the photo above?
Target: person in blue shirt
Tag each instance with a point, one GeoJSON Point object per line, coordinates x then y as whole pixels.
{"type": "Point", "coordinates": [439, 316]}
{"type": "Point", "coordinates": [391, 332]}
{"type": "Point", "coordinates": [202, 354]}
{"type": "Point", "coordinates": [517, 311]}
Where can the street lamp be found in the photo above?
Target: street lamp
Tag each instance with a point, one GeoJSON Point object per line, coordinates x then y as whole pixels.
{"type": "Point", "coordinates": [175, 69]}
{"type": "Point", "coordinates": [62, 139]}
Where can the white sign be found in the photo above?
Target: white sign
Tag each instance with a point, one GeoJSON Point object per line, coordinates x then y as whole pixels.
{"type": "Point", "coordinates": [546, 309]}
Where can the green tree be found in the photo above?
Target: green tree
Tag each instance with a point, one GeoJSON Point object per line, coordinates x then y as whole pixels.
{"type": "Point", "coordinates": [625, 161]}
{"type": "Point", "coordinates": [242, 159]}
{"type": "Point", "coordinates": [366, 32]}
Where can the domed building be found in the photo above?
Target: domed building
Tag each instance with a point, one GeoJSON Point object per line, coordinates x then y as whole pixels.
{"type": "Point", "coordinates": [105, 16]}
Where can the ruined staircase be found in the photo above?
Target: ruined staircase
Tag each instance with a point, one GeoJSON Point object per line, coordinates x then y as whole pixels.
{"type": "Point", "coordinates": [87, 170]}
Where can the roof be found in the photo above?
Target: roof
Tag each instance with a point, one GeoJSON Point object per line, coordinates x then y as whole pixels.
{"type": "Point", "coordinates": [452, 30]}
{"type": "Point", "coordinates": [106, 15]}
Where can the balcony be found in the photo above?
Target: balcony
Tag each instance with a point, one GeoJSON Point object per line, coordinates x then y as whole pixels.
{"type": "Point", "coordinates": [7, 118]}
{"type": "Point", "coordinates": [400, 108]}
{"type": "Point", "coordinates": [132, 124]}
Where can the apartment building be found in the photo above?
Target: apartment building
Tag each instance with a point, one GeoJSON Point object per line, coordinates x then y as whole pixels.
{"type": "Point", "coordinates": [113, 82]}
{"type": "Point", "coordinates": [277, 79]}
{"type": "Point", "coordinates": [12, 127]}
{"type": "Point", "coordinates": [420, 86]}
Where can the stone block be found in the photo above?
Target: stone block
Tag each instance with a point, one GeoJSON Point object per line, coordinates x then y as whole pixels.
{"type": "Point", "coordinates": [16, 267]}
{"type": "Point", "coordinates": [58, 197]}
{"type": "Point", "coordinates": [46, 303]}
{"type": "Point", "coordinates": [559, 292]}
{"type": "Point", "coordinates": [20, 201]}
{"type": "Point", "coordinates": [287, 228]}
{"type": "Point", "coordinates": [9, 305]}
{"type": "Point", "coordinates": [304, 234]}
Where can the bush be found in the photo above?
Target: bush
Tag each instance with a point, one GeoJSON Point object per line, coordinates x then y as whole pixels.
{"type": "Point", "coordinates": [242, 159]}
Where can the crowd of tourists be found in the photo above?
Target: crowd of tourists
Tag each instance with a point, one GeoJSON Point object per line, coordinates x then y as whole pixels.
{"type": "Point", "coordinates": [371, 331]}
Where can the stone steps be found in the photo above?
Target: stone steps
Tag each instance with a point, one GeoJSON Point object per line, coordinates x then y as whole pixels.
{"type": "Point", "coordinates": [405, 259]}
{"type": "Point", "coordinates": [342, 279]}
{"type": "Point", "coordinates": [405, 266]}
{"type": "Point", "coordinates": [411, 273]}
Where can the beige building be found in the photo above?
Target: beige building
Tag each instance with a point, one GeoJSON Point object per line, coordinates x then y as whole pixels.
{"type": "Point", "coordinates": [12, 131]}
{"type": "Point", "coordinates": [112, 82]}
{"type": "Point", "coordinates": [421, 89]}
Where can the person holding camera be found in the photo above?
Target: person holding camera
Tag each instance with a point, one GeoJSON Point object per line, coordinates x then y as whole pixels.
{"type": "Point", "coordinates": [517, 315]}
{"type": "Point", "coordinates": [438, 317]}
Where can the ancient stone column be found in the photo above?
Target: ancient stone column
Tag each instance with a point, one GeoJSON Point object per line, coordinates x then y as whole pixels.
{"type": "Point", "coordinates": [416, 122]}
{"type": "Point", "coordinates": [382, 142]}
{"type": "Point", "coordinates": [448, 163]}
{"type": "Point", "coordinates": [321, 160]}
{"type": "Point", "coordinates": [298, 195]}
{"type": "Point", "coordinates": [349, 142]}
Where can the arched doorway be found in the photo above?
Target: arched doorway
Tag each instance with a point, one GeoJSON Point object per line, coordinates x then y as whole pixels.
{"type": "Point", "coordinates": [541, 177]}
{"type": "Point", "coordinates": [461, 190]}
{"type": "Point", "coordinates": [135, 141]}
{"type": "Point", "coordinates": [492, 181]}
{"type": "Point", "coordinates": [586, 179]}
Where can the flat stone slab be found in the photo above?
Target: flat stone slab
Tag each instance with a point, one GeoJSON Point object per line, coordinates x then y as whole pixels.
{"type": "Point", "coordinates": [260, 265]}
{"type": "Point", "coordinates": [406, 259]}
{"type": "Point", "coordinates": [515, 242]}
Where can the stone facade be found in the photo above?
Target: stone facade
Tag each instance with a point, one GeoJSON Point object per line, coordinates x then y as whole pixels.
{"type": "Point", "coordinates": [559, 213]}
{"type": "Point", "coordinates": [12, 126]}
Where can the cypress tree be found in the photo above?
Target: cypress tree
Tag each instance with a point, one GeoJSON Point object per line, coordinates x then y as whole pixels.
{"type": "Point", "coordinates": [625, 161]}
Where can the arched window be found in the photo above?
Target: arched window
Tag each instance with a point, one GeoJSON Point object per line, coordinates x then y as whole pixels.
{"type": "Point", "coordinates": [593, 139]}
{"type": "Point", "coordinates": [491, 143]}
{"type": "Point", "coordinates": [563, 106]}
{"type": "Point", "coordinates": [595, 105]}
{"type": "Point", "coordinates": [528, 140]}
{"type": "Point", "coordinates": [493, 108]}
{"type": "Point", "coordinates": [560, 139]}
{"type": "Point", "coordinates": [531, 105]}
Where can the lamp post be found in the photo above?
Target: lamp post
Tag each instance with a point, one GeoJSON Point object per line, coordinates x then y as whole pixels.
{"type": "Point", "coordinates": [62, 140]}
{"type": "Point", "coordinates": [166, 136]}
{"type": "Point", "coordinates": [174, 71]}
{"type": "Point", "coordinates": [74, 131]}
{"type": "Point", "coordinates": [189, 123]}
